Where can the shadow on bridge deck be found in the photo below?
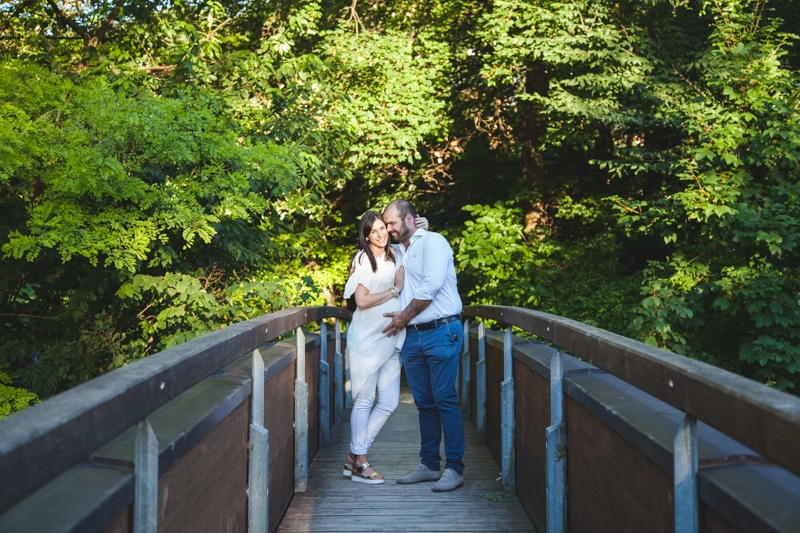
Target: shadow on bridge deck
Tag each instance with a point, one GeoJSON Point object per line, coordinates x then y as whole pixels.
{"type": "Point", "coordinates": [335, 504]}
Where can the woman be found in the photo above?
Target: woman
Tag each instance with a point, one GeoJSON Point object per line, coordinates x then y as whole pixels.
{"type": "Point", "coordinates": [375, 280]}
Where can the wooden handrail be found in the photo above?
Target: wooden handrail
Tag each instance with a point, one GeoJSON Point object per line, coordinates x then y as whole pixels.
{"type": "Point", "coordinates": [45, 440]}
{"type": "Point", "coordinates": [759, 417]}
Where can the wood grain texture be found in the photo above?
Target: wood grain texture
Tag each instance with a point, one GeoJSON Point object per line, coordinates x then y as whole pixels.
{"type": "Point", "coordinates": [334, 503]}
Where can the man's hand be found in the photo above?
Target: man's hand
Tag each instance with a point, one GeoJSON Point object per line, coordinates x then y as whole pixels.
{"type": "Point", "coordinates": [397, 324]}
{"type": "Point", "coordinates": [401, 318]}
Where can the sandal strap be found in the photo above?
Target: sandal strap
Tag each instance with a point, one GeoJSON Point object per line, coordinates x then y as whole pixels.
{"type": "Point", "coordinates": [373, 475]}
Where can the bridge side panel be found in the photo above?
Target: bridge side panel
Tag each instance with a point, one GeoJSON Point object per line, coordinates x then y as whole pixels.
{"type": "Point", "coordinates": [532, 419]}
{"type": "Point", "coordinates": [619, 469]}
{"type": "Point", "coordinates": [279, 421]}
{"type": "Point", "coordinates": [312, 378]}
{"type": "Point", "coordinates": [216, 469]}
{"type": "Point", "coordinates": [611, 483]}
{"type": "Point", "coordinates": [494, 380]}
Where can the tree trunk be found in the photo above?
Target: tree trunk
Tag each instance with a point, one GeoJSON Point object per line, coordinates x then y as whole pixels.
{"type": "Point", "coordinates": [534, 128]}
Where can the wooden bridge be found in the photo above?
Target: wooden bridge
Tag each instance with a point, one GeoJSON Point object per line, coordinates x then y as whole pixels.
{"type": "Point", "coordinates": [569, 428]}
{"type": "Point", "coordinates": [335, 504]}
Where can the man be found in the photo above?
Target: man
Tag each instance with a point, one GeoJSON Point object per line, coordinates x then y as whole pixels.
{"type": "Point", "coordinates": [430, 314]}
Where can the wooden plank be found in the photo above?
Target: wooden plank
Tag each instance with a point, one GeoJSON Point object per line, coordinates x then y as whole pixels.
{"type": "Point", "coordinates": [334, 503]}
{"type": "Point", "coordinates": [279, 421]}
{"type": "Point", "coordinates": [215, 469]}
{"type": "Point", "coordinates": [760, 417]}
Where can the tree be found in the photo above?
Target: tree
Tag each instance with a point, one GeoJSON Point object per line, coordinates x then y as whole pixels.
{"type": "Point", "coordinates": [170, 168]}
{"type": "Point", "coordinates": [729, 282]}
{"type": "Point", "coordinates": [685, 117]}
{"type": "Point", "coordinates": [128, 212]}
{"type": "Point", "coordinates": [186, 175]}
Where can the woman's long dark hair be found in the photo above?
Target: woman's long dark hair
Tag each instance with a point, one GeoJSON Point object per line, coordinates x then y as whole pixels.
{"type": "Point", "coordinates": [364, 229]}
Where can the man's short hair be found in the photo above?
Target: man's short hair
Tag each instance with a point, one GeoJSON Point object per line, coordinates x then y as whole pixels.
{"type": "Point", "coordinates": [404, 208]}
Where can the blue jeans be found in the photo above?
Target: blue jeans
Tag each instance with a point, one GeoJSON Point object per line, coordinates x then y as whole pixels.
{"type": "Point", "coordinates": [430, 359]}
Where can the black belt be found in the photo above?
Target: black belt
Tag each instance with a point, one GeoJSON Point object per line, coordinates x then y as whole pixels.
{"type": "Point", "coordinates": [434, 323]}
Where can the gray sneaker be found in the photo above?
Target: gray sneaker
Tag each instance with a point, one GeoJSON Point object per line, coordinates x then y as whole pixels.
{"type": "Point", "coordinates": [450, 480]}
{"type": "Point", "coordinates": [421, 473]}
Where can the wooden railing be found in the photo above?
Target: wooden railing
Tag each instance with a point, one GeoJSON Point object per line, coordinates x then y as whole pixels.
{"type": "Point", "coordinates": [44, 443]}
{"type": "Point", "coordinates": [648, 408]}
{"type": "Point", "coordinates": [593, 431]}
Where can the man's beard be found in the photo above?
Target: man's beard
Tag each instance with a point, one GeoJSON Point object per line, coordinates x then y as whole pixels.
{"type": "Point", "coordinates": [403, 234]}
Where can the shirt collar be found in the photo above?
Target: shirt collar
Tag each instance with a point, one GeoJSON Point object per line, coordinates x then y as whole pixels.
{"type": "Point", "coordinates": [417, 235]}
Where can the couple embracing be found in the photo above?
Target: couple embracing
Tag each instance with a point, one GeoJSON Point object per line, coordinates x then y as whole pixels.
{"type": "Point", "coordinates": [408, 312]}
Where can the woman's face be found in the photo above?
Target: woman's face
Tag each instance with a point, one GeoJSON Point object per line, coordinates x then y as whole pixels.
{"type": "Point", "coordinates": [378, 237]}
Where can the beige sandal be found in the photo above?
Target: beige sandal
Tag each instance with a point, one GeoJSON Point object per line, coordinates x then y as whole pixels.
{"type": "Point", "coordinates": [349, 465]}
{"type": "Point", "coordinates": [361, 476]}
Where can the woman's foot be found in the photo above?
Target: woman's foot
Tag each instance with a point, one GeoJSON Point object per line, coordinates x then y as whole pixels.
{"type": "Point", "coordinates": [364, 473]}
{"type": "Point", "coordinates": [349, 465]}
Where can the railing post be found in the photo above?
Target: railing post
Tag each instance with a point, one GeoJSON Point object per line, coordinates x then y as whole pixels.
{"type": "Point", "coordinates": [480, 378]}
{"type": "Point", "coordinates": [348, 393]}
{"type": "Point", "coordinates": [466, 372]}
{"type": "Point", "coordinates": [324, 387]}
{"type": "Point", "coordinates": [258, 468]}
{"type": "Point", "coordinates": [685, 473]}
{"type": "Point", "coordinates": [556, 450]}
{"type": "Point", "coordinates": [145, 517]}
{"type": "Point", "coordinates": [301, 417]}
{"type": "Point", "coordinates": [507, 391]}
{"type": "Point", "coordinates": [338, 401]}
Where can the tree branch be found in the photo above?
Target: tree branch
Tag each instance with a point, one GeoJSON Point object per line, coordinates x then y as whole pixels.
{"type": "Point", "coordinates": [63, 19]}
{"type": "Point", "coordinates": [15, 14]}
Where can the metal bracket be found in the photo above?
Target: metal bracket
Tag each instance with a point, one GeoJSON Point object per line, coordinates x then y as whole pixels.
{"type": "Point", "coordinates": [258, 480]}
{"type": "Point", "coordinates": [507, 425]}
{"type": "Point", "coordinates": [338, 376]}
{"type": "Point", "coordinates": [685, 473]}
{"type": "Point", "coordinates": [480, 385]}
{"type": "Point", "coordinates": [466, 373]}
{"type": "Point", "coordinates": [324, 387]}
{"type": "Point", "coordinates": [145, 517]}
{"type": "Point", "coordinates": [348, 394]}
{"type": "Point", "coordinates": [301, 417]}
{"type": "Point", "coordinates": [258, 467]}
{"type": "Point", "coordinates": [556, 436]}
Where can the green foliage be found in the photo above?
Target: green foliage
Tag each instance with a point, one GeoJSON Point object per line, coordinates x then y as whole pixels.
{"type": "Point", "coordinates": [393, 101]}
{"type": "Point", "coordinates": [494, 260]}
{"type": "Point", "coordinates": [585, 280]}
{"type": "Point", "coordinates": [13, 399]}
{"type": "Point", "coordinates": [174, 308]}
{"type": "Point", "coordinates": [733, 210]}
{"type": "Point", "coordinates": [104, 191]}
{"type": "Point", "coordinates": [666, 299]}
{"type": "Point", "coordinates": [168, 169]}
{"type": "Point", "coordinates": [124, 182]}
{"type": "Point", "coordinates": [585, 53]}
{"type": "Point", "coordinates": [497, 496]}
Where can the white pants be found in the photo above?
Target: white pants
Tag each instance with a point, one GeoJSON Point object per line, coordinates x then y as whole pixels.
{"type": "Point", "coordinates": [368, 416]}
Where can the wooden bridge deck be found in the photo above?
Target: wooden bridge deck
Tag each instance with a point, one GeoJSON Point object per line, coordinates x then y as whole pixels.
{"type": "Point", "coordinates": [333, 503]}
